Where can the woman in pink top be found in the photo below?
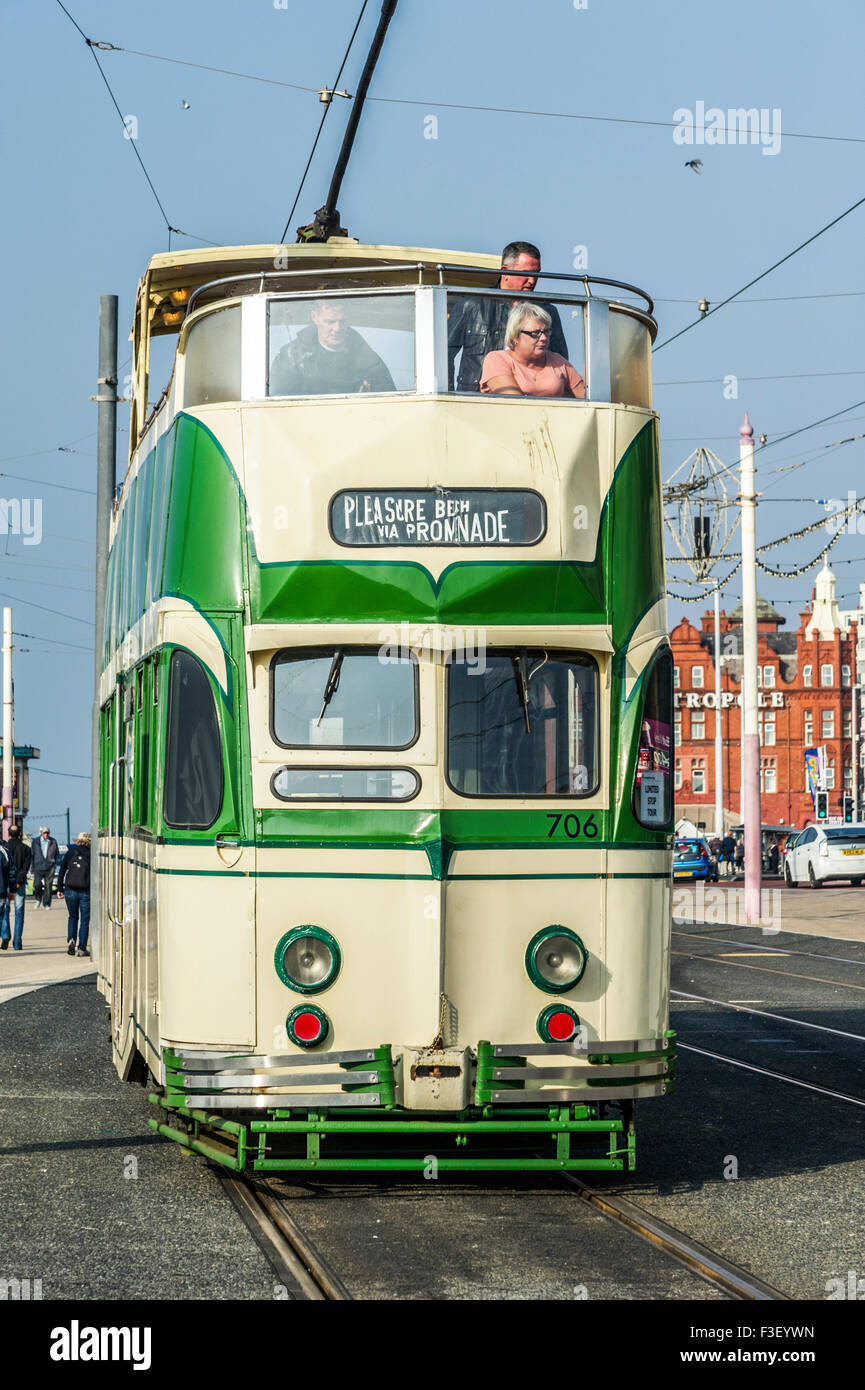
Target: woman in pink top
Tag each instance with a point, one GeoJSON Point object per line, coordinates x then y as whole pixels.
{"type": "Point", "coordinates": [525, 366]}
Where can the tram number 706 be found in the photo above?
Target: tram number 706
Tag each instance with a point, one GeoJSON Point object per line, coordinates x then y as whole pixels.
{"type": "Point", "coordinates": [571, 826]}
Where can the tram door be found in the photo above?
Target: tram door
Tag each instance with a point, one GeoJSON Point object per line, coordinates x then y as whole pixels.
{"type": "Point", "coordinates": [119, 775]}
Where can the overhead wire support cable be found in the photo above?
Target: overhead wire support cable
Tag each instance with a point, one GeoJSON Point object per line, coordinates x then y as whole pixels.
{"type": "Point", "coordinates": [93, 45]}
{"type": "Point", "coordinates": [455, 105]}
{"type": "Point", "coordinates": [730, 297]}
{"type": "Point", "coordinates": [327, 107]}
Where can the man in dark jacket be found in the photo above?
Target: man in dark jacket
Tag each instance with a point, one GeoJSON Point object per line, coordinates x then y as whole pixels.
{"type": "Point", "coordinates": [20, 855]}
{"type": "Point", "coordinates": [44, 864]}
{"type": "Point", "coordinates": [477, 326]}
{"type": "Point", "coordinates": [8, 880]}
{"type": "Point", "coordinates": [328, 358]}
{"type": "Point", "coordinates": [73, 885]}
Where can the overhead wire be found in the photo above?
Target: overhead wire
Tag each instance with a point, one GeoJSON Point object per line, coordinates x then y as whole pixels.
{"type": "Point", "coordinates": [92, 46]}
{"type": "Point", "coordinates": [757, 278]}
{"type": "Point", "coordinates": [453, 105]}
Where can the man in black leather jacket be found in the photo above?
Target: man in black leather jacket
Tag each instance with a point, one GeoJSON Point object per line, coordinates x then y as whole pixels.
{"type": "Point", "coordinates": [477, 326]}
{"type": "Point", "coordinates": [328, 357]}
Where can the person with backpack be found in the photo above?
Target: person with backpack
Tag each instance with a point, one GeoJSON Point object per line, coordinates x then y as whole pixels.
{"type": "Point", "coordinates": [73, 885]}
{"type": "Point", "coordinates": [20, 854]}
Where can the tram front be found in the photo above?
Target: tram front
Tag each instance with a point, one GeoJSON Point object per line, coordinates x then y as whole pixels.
{"type": "Point", "coordinates": [458, 686]}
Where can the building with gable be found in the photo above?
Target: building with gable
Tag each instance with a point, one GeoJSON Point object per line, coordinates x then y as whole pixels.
{"type": "Point", "coordinates": [806, 700]}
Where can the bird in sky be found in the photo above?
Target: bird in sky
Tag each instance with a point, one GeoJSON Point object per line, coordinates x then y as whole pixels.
{"type": "Point", "coordinates": [186, 105]}
{"type": "Point", "coordinates": [695, 164]}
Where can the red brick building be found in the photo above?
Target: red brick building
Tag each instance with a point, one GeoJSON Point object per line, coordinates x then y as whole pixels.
{"type": "Point", "coordinates": [806, 700]}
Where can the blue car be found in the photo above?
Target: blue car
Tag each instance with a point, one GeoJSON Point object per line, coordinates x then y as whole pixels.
{"type": "Point", "coordinates": [691, 859]}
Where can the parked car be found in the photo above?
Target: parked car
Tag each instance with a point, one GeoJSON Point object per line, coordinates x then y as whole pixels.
{"type": "Point", "coordinates": [824, 853]}
{"type": "Point", "coordinates": [693, 859]}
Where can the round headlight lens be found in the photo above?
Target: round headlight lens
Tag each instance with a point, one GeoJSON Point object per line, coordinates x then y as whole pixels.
{"type": "Point", "coordinates": [307, 959]}
{"type": "Point", "coordinates": [556, 959]}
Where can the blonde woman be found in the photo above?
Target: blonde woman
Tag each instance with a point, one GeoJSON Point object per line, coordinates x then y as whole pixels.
{"type": "Point", "coordinates": [526, 366]}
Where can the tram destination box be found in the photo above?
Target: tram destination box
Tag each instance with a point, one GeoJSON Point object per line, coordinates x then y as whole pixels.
{"type": "Point", "coordinates": [437, 516]}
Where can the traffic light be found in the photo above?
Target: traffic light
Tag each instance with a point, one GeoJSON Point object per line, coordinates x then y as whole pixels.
{"type": "Point", "coordinates": [848, 808]}
{"type": "Point", "coordinates": [821, 805]}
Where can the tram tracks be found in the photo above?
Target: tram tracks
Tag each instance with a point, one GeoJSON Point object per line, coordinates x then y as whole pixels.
{"type": "Point", "coordinates": [732, 1279]}
{"type": "Point", "coordinates": [313, 1279]}
{"type": "Point", "coordinates": [292, 1252]}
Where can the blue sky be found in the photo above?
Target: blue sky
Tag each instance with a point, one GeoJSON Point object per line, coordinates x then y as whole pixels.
{"type": "Point", "coordinates": [80, 221]}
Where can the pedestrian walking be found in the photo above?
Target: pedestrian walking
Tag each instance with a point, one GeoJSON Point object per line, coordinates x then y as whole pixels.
{"type": "Point", "coordinates": [44, 865]}
{"type": "Point", "coordinates": [740, 855]}
{"type": "Point", "coordinates": [20, 854]}
{"type": "Point", "coordinates": [8, 880]}
{"type": "Point", "coordinates": [728, 849]}
{"type": "Point", "coordinates": [774, 857]}
{"type": "Point", "coordinates": [73, 885]}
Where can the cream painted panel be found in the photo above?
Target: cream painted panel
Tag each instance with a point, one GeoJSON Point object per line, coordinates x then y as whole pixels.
{"type": "Point", "coordinates": [488, 927]}
{"type": "Point", "coordinates": [206, 950]}
{"type": "Point", "coordinates": [295, 460]}
{"type": "Point", "coordinates": [638, 957]}
{"type": "Point", "coordinates": [507, 861]}
{"type": "Point", "coordinates": [388, 988]}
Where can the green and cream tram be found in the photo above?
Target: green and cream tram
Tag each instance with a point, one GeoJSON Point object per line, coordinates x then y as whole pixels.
{"type": "Point", "coordinates": [385, 811]}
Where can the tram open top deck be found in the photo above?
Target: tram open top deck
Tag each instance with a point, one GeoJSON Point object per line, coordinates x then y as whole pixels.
{"type": "Point", "coordinates": [406, 292]}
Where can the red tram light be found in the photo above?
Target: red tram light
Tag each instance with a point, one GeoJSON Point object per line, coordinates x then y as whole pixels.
{"type": "Point", "coordinates": [307, 1026]}
{"type": "Point", "coordinates": [558, 1023]}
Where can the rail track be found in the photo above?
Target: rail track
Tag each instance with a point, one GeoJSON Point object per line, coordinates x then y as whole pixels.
{"type": "Point", "coordinates": [292, 1252]}
{"type": "Point", "coordinates": [309, 1277]}
{"type": "Point", "coordinates": [730, 1278]}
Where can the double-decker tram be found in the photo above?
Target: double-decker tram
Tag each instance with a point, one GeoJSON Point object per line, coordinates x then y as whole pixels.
{"type": "Point", "coordinates": [386, 802]}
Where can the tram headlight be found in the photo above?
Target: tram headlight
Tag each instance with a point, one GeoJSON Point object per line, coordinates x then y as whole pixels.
{"type": "Point", "coordinates": [307, 959]}
{"type": "Point", "coordinates": [556, 959]}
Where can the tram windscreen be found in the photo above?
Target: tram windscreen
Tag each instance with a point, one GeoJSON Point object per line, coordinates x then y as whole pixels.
{"type": "Point", "coordinates": [356, 344]}
{"type": "Point", "coordinates": [525, 725]}
{"type": "Point", "coordinates": [338, 698]}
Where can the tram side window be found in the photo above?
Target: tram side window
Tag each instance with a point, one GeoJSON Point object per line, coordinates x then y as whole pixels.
{"type": "Point", "coordinates": [653, 788]}
{"type": "Point", "coordinates": [193, 755]}
{"type": "Point", "coordinates": [212, 358]}
{"type": "Point", "coordinates": [630, 357]}
{"type": "Point", "coordinates": [527, 725]}
{"type": "Point", "coordinates": [357, 344]}
{"type": "Point", "coordinates": [339, 697]}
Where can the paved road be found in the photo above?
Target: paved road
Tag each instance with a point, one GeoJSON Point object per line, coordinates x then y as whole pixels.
{"type": "Point", "coordinates": [767, 1173]}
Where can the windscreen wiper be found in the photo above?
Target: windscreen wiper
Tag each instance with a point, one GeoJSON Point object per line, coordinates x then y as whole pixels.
{"type": "Point", "coordinates": [332, 683]}
{"type": "Point", "coordinates": [522, 686]}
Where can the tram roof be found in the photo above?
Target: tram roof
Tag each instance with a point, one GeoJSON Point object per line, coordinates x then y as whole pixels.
{"type": "Point", "coordinates": [173, 270]}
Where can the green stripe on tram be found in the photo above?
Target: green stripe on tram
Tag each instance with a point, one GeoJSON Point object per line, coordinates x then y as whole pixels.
{"type": "Point", "coordinates": [199, 553]}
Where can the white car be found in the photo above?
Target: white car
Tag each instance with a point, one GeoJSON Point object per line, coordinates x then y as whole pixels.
{"type": "Point", "coordinates": [824, 852]}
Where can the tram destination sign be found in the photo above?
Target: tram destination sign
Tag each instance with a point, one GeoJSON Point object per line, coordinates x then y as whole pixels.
{"type": "Point", "coordinates": [438, 516]}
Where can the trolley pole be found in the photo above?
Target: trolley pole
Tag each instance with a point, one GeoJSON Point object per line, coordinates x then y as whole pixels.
{"type": "Point", "coordinates": [106, 472]}
{"type": "Point", "coordinates": [750, 729]}
{"type": "Point", "coordinates": [719, 760]}
{"type": "Point", "coordinates": [8, 724]}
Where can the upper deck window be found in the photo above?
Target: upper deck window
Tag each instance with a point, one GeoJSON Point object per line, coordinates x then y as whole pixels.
{"type": "Point", "coordinates": [341, 345]}
{"type": "Point", "coordinates": [500, 345]}
{"type": "Point", "coordinates": [343, 698]}
{"type": "Point", "coordinates": [212, 357]}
